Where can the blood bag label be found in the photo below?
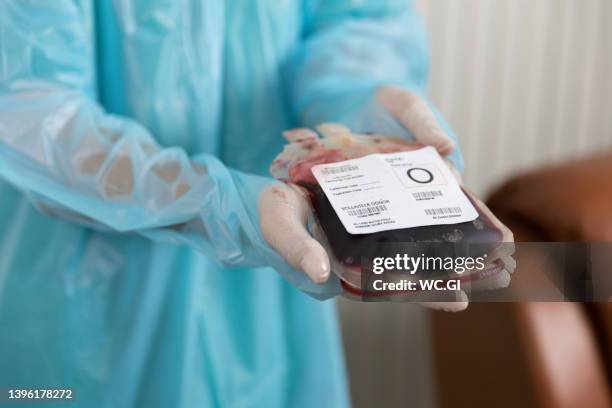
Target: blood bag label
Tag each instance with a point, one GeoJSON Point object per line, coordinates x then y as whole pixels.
{"type": "Point", "coordinates": [389, 191]}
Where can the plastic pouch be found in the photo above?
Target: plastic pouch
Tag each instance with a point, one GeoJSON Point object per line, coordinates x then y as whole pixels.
{"type": "Point", "coordinates": [334, 143]}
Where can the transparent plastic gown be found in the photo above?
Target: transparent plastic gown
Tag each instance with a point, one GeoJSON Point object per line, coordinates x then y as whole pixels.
{"type": "Point", "coordinates": [133, 140]}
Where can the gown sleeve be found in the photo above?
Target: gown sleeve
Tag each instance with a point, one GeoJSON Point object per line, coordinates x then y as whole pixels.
{"type": "Point", "coordinates": [350, 49]}
{"type": "Point", "coordinates": [73, 159]}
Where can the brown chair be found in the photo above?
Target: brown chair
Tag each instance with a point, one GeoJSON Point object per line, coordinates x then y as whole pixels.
{"type": "Point", "coordinates": [535, 354]}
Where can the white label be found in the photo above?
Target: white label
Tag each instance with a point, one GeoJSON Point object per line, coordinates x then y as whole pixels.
{"type": "Point", "coordinates": [382, 192]}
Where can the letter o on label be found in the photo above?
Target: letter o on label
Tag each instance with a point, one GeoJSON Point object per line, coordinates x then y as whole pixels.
{"type": "Point", "coordinates": [420, 175]}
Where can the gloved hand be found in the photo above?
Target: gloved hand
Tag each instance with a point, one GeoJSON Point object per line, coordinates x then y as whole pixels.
{"type": "Point", "coordinates": [283, 214]}
{"type": "Point", "coordinates": [412, 112]}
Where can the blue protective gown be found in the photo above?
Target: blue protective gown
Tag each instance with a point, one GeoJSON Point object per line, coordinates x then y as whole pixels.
{"type": "Point", "coordinates": [133, 139]}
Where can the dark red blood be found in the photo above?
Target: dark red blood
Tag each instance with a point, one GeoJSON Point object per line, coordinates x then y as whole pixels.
{"type": "Point", "coordinates": [349, 249]}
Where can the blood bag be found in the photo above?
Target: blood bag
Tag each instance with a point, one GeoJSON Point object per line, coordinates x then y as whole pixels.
{"type": "Point", "coordinates": [333, 143]}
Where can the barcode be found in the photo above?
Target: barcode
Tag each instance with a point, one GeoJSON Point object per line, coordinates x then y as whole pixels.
{"type": "Point", "coordinates": [340, 169]}
{"type": "Point", "coordinates": [427, 195]}
{"type": "Point", "coordinates": [360, 212]}
{"type": "Point", "coordinates": [443, 211]}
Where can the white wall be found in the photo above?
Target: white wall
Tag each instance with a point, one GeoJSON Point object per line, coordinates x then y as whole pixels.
{"type": "Point", "coordinates": [521, 81]}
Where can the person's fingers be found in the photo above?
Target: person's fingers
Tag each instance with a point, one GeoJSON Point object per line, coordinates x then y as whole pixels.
{"type": "Point", "coordinates": [416, 116]}
{"type": "Point", "coordinates": [455, 301]}
{"type": "Point", "coordinates": [283, 213]}
{"type": "Point", "coordinates": [509, 263]}
{"type": "Point", "coordinates": [300, 135]}
{"type": "Point", "coordinates": [500, 280]}
{"type": "Point", "coordinates": [331, 129]}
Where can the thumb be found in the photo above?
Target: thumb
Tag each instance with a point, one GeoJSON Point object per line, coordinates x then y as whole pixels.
{"type": "Point", "coordinates": [283, 214]}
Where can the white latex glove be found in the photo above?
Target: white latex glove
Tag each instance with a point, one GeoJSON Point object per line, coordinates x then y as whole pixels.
{"type": "Point", "coordinates": [412, 112]}
{"type": "Point", "coordinates": [283, 214]}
